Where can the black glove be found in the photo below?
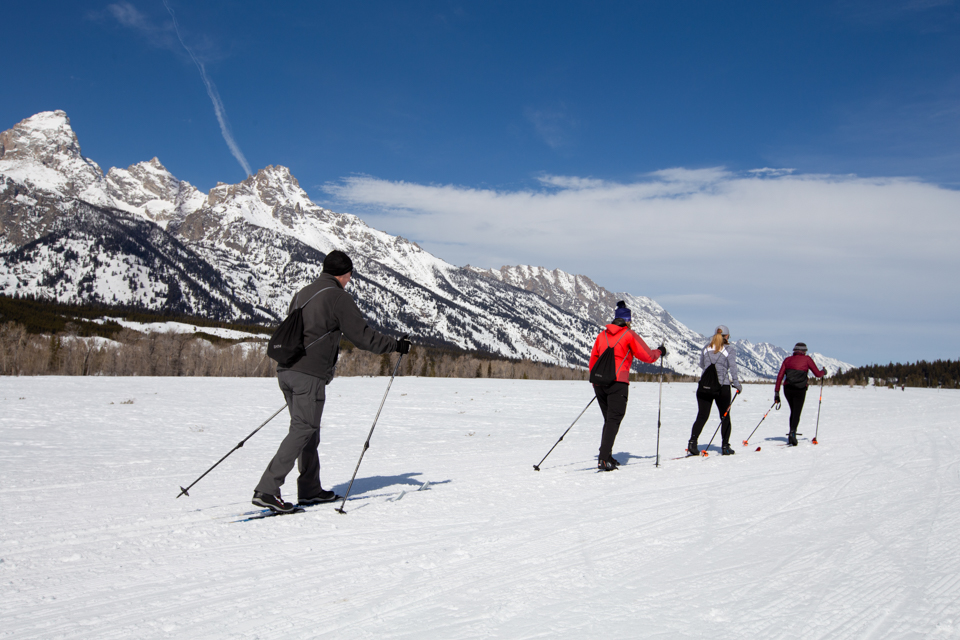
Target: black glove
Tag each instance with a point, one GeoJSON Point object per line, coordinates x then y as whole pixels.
{"type": "Point", "coordinates": [663, 350]}
{"type": "Point", "coordinates": [776, 400]}
{"type": "Point", "coordinates": [403, 346]}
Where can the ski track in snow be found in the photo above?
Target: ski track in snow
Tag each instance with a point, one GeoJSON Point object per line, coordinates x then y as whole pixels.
{"type": "Point", "coordinates": [853, 538]}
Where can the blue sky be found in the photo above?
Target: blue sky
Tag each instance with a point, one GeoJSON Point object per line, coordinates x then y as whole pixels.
{"type": "Point", "coordinates": [619, 140]}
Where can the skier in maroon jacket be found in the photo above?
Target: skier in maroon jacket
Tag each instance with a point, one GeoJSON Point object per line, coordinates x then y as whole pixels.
{"type": "Point", "coordinates": [613, 398]}
{"type": "Point", "coordinates": [794, 369]}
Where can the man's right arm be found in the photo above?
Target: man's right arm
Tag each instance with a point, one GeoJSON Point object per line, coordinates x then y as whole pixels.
{"type": "Point", "coordinates": [355, 328]}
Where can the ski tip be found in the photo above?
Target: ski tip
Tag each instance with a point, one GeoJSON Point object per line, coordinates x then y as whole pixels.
{"type": "Point", "coordinates": [758, 448]}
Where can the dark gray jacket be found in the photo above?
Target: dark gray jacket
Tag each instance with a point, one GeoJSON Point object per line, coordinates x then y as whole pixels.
{"type": "Point", "coordinates": [330, 314]}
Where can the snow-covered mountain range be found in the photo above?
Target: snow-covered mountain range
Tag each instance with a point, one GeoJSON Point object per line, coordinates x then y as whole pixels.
{"type": "Point", "coordinates": [140, 236]}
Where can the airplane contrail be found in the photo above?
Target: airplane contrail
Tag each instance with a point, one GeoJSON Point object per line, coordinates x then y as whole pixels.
{"type": "Point", "coordinates": [214, 98]}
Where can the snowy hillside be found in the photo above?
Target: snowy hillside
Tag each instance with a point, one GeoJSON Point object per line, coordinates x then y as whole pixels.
{"type": "Point", "coordinates": [849, 539]}
{"type": "Point", "coordinates": [140, 236]}
{"type": "Point", "coordinates": [581, 296]}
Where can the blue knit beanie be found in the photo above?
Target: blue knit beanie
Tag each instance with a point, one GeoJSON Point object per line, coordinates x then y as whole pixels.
{"type": "Point", "coordinates": [622, 313]}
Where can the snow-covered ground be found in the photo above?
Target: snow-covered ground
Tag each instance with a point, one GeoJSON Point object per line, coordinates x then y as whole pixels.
{"type": "Point", "coordinates": [856, 537]}
{"type": "Point", "coordinates": [180, 327]}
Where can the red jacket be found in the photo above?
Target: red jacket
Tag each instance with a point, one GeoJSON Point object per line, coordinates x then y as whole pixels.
{"type": "Point", "coordinates": [799, 362]}
{"type": "Point", "coordinates": [626, 344]}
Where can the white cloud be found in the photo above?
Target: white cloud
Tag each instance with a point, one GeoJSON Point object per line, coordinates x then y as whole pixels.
{"type": "Point", "coordinates": [805, 246]}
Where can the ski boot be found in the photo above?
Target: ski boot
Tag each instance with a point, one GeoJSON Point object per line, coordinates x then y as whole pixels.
{"type": "Point", "coordinates": [274, 503]}
{"type": "Point", "coordinates": [792, 439]}
{"type": "Point", "coordinates": [727, 450]}
{"type": "Point", "coordinates": [320, 498]}
{"type": "Point", "coordinates": [692, 449]}
{"type": "Point", "coordinates": [606, 465]}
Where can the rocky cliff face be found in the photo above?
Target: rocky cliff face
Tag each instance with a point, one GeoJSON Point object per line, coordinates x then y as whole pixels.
{"type": "Point", "coordinates": [141, 236]}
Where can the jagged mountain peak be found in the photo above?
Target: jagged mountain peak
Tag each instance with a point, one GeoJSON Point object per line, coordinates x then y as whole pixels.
{"type": "Point", "coordinates": [44, 135]}
{"type": "Point", "coordinates": [150, 190]}
{"type": "Point", "coordinates": [43, 151]}
{"type": "Point", "coordinates": [274, 186]}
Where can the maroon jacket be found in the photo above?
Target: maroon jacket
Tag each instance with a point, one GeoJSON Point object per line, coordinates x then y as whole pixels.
{"type": "Point", "coordinates": [795, 368]}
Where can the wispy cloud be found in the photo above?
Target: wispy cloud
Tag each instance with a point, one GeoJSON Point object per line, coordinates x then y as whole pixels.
{"type": "Point", "coordinates": [167, 37]}
{"type": "Point", "coordinates": [553, 126]}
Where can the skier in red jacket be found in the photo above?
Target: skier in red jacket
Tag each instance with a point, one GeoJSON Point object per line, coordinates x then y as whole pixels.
{"type": "Point", "coordinates": [612, 398]}
{"type": "Point", "coordinates": [794, 369]}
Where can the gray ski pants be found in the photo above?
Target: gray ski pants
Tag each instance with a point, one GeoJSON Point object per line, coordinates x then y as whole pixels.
{"type": "Point", "coordinates": [305, 397]}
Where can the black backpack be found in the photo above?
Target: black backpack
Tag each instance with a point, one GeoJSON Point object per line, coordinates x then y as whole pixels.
{"type": "Point", "coordinates": [709, 382]}
{"type": "Point", "coordinates": [604, 370]}
{"type": "Point", "coordinates": [286, 343]}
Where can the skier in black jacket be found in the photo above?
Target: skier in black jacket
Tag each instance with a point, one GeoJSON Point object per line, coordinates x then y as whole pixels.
{"type": "Point", "coordinates": [330, 313]}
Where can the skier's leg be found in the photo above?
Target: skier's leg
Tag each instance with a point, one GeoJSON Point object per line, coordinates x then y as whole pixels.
{"type": "Point", "coordinates": [795, 398]}
{"type": "Point", "coordinates": [305, 397]}
{"type": "Point", "coordinates": [616, 401]}
{"type": "Point", "coordinates": [723, 403]}
{"type": "Point", "coordinates": [308, 465]}
{"type": "Point", "coordinates": [703, 414]}
{"type": "Point", "coordinates": [601, 400]}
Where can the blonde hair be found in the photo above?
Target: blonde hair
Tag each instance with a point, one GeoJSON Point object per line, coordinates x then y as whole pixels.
{"type": "Point", "coordinates": [716, 343]}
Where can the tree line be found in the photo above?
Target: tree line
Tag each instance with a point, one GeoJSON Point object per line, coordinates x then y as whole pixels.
{"type": "Point", "coordinates": [132, 353]}
{"type": "Point", "coordinates": [40, 337]}
{"type": "Point", "coordinates": [939, 373]}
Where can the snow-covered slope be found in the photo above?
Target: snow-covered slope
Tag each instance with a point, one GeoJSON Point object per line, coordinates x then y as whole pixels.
{"type": "Point", "coordinates": [583, 297]}
{"type": "Point", "coordinates": [140, 236]}
{"type": "Point", "coordinates": [149, 190]}
{"type": "Point", "coordinates": [251, 246]}
{"type": "Point", "coordinates": [849, 539]}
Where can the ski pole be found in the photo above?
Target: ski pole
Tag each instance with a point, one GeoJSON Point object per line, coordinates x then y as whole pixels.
{"type": "Point", "coordinates": [659, 405]}
{"type": "Point", "coordinates": [725, 413]}
{"type": "Point", "coordinates": [537, 466]}
{"type": "Point", "coordinates": [366, 444]}
{"type": "Point", "coordinates": [184, 491]}
{"type": "Point", "coordinates": [818, 411]}
{"type": "Point", "coordinates": [747, 441]}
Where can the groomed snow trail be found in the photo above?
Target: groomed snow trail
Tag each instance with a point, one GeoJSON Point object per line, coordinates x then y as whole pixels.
{"type": "Point", "coordinates": [853, 538]}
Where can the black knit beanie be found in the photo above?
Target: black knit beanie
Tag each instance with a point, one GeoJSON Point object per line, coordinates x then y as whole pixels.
{"type": "Point", "coordinates": [337, 263]}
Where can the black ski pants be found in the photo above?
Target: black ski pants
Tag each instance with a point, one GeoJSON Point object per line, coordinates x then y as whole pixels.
{"type": "Point", "coordinates": [613, 404]}
{"type": "Point", "coordinates": [703, 414]}
{"type": "Point", "coordinates": [795, 398]}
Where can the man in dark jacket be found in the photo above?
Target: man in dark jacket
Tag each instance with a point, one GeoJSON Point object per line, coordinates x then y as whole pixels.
{"type": "Point", "coordinates": [794, 369]}
{"type": "Point", "coordinates": [328, 312]}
